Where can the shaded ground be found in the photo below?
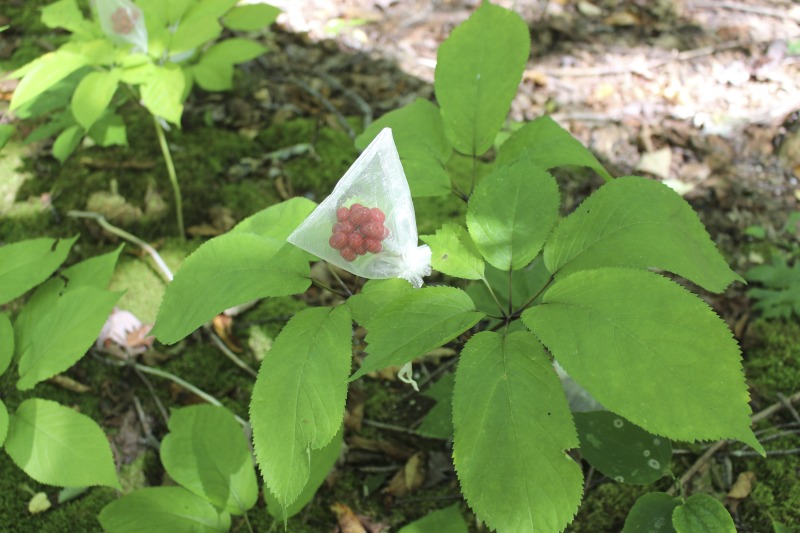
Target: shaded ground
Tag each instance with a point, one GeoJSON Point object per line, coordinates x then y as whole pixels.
{"type": "Point", "coordinates": [701, 94]}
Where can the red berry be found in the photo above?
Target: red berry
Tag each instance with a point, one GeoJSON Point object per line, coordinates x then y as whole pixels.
{"type": "Point", "coordinates": [372, 229]}
{"type": "Point", "coordinates": [342, 214]}
{"type": "Point", "coordinates": [373, 245]}
{"type": "Point", "coordinates": [355, 240]}
{"type": "Point", "coordinates": [347, 254]}
{"type": "Point", "coordinates": [359, 215]}
{"type": "Point", "coordinates": [338, 240]}
{"type": "Point", "coordinates": [355, 206]}
{"type": "Point", "coordinates": [377, 215]}
{"type": "Point", "coordinates": [362, 249]}
{"type": "Point", "coordinates": [343, 227]}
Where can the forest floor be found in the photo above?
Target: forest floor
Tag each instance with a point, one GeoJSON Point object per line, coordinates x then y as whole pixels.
{"type": "Point", "coordinates": [703, 95]}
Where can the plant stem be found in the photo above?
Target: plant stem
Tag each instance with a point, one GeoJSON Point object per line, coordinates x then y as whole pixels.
{"type": "Point", "coordinates": [532, 298]}
{"type": "Point", "coordinates": [510, 291]}
{"type": "Point", "coordinates": [229, 353]}
{"type": "Point", "coordinates": [173, 178]}
{"type": "Point", "coordinates": [106, 225]}
{"type": "Point", "coordinates": [494, 297]}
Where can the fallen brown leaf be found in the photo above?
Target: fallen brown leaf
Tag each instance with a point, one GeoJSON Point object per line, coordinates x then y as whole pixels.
{"type": "Point", "coordinates": [347, 519]}
{"type": "Point", "coordinates": [409, 478]}
{"type": "Point", "coordinates": [70, 384]}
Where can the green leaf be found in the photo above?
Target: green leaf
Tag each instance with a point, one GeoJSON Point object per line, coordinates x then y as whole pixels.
{"type": "Point", "coordinates": [447, 520]}
{"type": "Point", "coordinates": [412, 326]}
{"type": "Point", "coordinates": [162, 93]}
{"type": "Point", "coordinates": [162, 509]}
{"type": "Point", "coordinates": [525, 284]}
{"type": "Point", "coordinates": [66, 14]}
{"type": "Point", "coordinates": [649, 350]}
{"type": "Point", "coordinates": [652, 513]}
{"type": "Point", "coordinates": [62, 335]}
{"type": "Point", "coordinates": [56, 445]}
{"type": "Point", "coordinates": [376, 294]}
{"type": "Point", "coordinates": [25, 264]}
{"type": "Point", "coordinates": [109, 130]}
{"type": "Point", "coordinates": [438, 423]}
{"type": "Point", "coordinates": [207, 453]}
{"type": "Point", "coordinates": [44, 72]}
{"type": "Point", "coordinates": [66, 142]}
{"type": "Point", "coordinates": [38, 305]}
{"type": "Point", "coordinates": [453, 252]}
{"type": "Point", "coordinates": [231, 269]}
{"type": "Point", "coordinates": [322, 461]}
{"type": "Point", "coordinates": [213, 76]}
{"type": "Point", "coordinates": [6, 342]}
{"type": "Point", "coordinates": [209, 8]}
{"type": "Point", "coordinates": [478, 69]}
{"type": "Point", "coordinates": [6, 131]}
{"type": "Point", "coordinates": [298, 399]}
{"type": "Point", "coordinates": [3, 422]}
{"type": "Point", "coordinates": [701, 513]}
{"type": "Point", "coordinates": [621, 450]}
{"type": "Point", "coordinates": [235, 50]}
{"type": "Point", "coordinates": [548, 145]}
{"type": "Point", "coordinates": [250, 17]}
{"type": "Point", "coordinates": [512, 427]}
{"type": "Point", "coordinates": [93, 272]}
{"type": "Point", "coordinates": [423, 147]}
{"type": "Point", "coordinates": [175, 9]}
{"type": "Point", "coordinates": [276, 222]}
{"type": "Point", "coordinates": [193, 32]}
{"type": "Point", "coordinates": [641, 223]}
{"type": "Point", "coordinates": [93, 96]}
{"type": "Point", "coordinates": [511, 213]}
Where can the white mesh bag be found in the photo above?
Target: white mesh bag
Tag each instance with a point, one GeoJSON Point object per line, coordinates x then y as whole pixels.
{"type": "Point", "coordinates": [123, 22]}
{"type": "Point", "coordinates": [367, 225]}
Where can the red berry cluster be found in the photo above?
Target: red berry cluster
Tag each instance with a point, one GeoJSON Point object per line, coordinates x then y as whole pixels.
{"type": "Point", "coordinates": [358, 230]}
{"type": "Point", "coordinates": [124, 21]}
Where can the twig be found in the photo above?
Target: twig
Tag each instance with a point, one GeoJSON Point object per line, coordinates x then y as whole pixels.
{"type": "Point", "coordinates": [703, 459]}
{"type": "Point", "coordinates": [744, 8]}
{"type": "Point", "coordinates": [770, 453]}
{"type": "Point", "coordinates": [105, 224]}
{"type": "Point", "coordinates": [327, 105]}
{"type": "Point", "coordinates": [786, 403]}
{"type": "Point", "coordinates": [149, 438]}
{"type": "Point", "coordinates": [229, 353]}
{"type": "Point", "coordinates": [160, 406]}
{"type": "Point", "coordinates": [390, 427]}
{"type": "Point", "coordinates": [173, 177]}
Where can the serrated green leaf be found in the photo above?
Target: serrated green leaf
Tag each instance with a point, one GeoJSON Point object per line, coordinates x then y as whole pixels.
{"type": "Point", "coordinates": [512, 427]}
{"type": "Point", "coordinates": [412, 326]}
{"type": "Point", "coordinates": [298, 399]}
{"type": "Point", "coordinates": [701, 513]}
{"type": "Point", "coordinates": [59, 446]}
{"type": "Point", "coordinates": [212, 76]}
{"type": "Point", "coordinates": [548, 145]}
{"type": "Point", "coordinates": [375, 295]}
{"type": "Point", "coordinates": [636, 222]}
{"type": "Point", "coordinates": [622, 451]}
{"type": "Point", "coordinates": [25, 264]}
{"type": "Point", "coordinates": [652, 513]}
{"type": "Point", "coordinates": [162, 93]}
{"type": "Point", "coordinates": [511, 213]}
{"type": "Point", "coordinates": [207, 453]}
{"type": "Point", "coordinates": [210, 8]}
{"type": "Point", "coordinates": [93, 272]}
{"type": "Point", "coordinates": [3, 422]}
{"type": "Point", "coordinates": [478, 69]}
{"type": "Point", "coordinates": [38, 305]}
{"type": "Point", "coordinates": [649, 350]}
{"type": "Point", "coordinates": [438, 423]}
{"type": "Point", "coordinates": [322, 461]}
{"type": "Point", "coordinates": [250, 17]}
{"type": "Point", "coordinates": [447, 520]}
{"type": "Point", "coordinates": [424, 150]}
{"type": "Point", "coordinates": [109, 130]}
{"type": "Point", "coordinates": [453, 252]}
{"type": "Point", "coordinates": [66, 14]}
{"type": "Point", "coordinates": [276, 222]}
{"type": "Point", "coordinates": [226, 271]}
{"type": "Point", "coordinates": [93, 95]}
{"type": "Point", "coordinates": [162, 509]}
{"type": "Point", "coordinates": [62, 335]}
{"type": "Point", "coordinates": [66, 142]}
{"type": "Point", "coordinates": [6, 342]}
{"type": "Point", "coordinates": [43, 73]}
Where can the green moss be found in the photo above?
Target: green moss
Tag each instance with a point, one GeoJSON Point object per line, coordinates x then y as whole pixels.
{"type": "Point", "coordinates": [306, 173]}
{"type": "Point", "coordinates": [772, 358]}
{"type": "Point", "coordinates": [776, 494]}
{"type": "Point", "coordinates": [606, 506]}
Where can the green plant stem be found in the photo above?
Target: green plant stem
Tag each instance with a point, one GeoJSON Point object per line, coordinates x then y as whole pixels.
{"type": "Point", "coordinates": [532, 298]}
{"type": "Point", "coordinates": [229, 353]}
{"type": "Point", "coordinates": [106, 225]}
{"type": "Point", "coordinates": [186, 385]}
{"type": "Point", "coordinates": [173, 178]}
{"type": "Point", "coordinates": [494, 297]}
{"type": "Point", "coordinates": [510, 291]}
